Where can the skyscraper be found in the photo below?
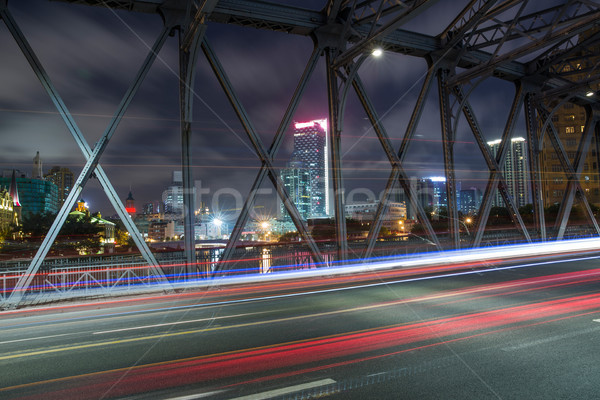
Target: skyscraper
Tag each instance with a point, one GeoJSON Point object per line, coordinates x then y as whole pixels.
{"type": "Point", "coordinates": [64, 179]}
{"type": "Point", "coordinates": [470, 200]}
{"type": "Point", "coordinates": [172, 197]}
{"type": "Point", "coordinates": [310, 148]}
{"type": "Point", "coordinates": [515, 171]}
{"type": "Point", "coordinates": [296, 180]}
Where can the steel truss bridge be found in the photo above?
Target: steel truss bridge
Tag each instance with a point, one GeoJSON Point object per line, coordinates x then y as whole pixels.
{"type": "Point", "coordinates": [529, 43]}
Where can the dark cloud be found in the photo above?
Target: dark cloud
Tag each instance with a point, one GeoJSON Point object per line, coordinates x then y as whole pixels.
{"type": "Point", "coordinates": [93, 53]}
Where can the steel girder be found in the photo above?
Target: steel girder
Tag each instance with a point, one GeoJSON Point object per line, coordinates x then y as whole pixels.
{"type": "Point", "coordinates": [334, 132]}
{"type": "Point", "coordinates": [573, 181]}
{"type": "Point", "coordinates": [469, 17]}
{"type": "Point", "coordinates": [376, 33]}
{"type": "Point", "coordinates": [530, 25]}
{"type": "Point", "coordinates": [262, 14]}
{"type": "Point", "coordinates": [448, 136]}
{"type": "Point", "coordinates": [192, 26]}
{"type": "Point", "coordinates": [572, 176]}
{"type": "Point", "coordinates": [396, 175]}
{"type": "Point", "coordinates": [92, 158]}
{"type": "Point", "coordinates": [359, 24]}
{"type": "Point", "coordinates": [534, 154]}
{"type": "Point", "coordinates": [486, 69]}
{"type": "Point", "coordinates": [264, 156]}
{"type": "Point", "coordinates": [491, 164]}
{"type": "Point", "coordinates": [494, 179]}
{"type": "Point", "coordinates": [249, 202]}
{"type": "Point", "coordinates": [564, 58]}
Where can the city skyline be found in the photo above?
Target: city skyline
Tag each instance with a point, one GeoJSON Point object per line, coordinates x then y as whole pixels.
{"type": "Point", "coordinates": [145, 148]}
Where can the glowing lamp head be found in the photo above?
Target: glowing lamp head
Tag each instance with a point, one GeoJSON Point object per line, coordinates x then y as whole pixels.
{"type": "Point", "coordinates": [377, 52]}
{"type": "Point", "coordinates": [264, 225]}
{"type": "Point", "coordinates": [589, 93]}
{"type": "Point", "coordinates": [217, 222]}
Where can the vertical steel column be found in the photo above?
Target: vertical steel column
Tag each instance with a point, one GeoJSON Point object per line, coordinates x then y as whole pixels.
{"type": "Point", "coordinates": [336, 162]}
{"type": "Point", "coordinates": [93, 156]}
{"type": "Point", "coordinates": [188, 55]}
{"type": "Point", "coordinates": [534, 165]}
{"type": "Point", "coordinates": [448, 146]}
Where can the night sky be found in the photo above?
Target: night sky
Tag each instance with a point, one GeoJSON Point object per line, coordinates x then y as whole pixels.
{"type": "Point", "coordinates": [92, 54]}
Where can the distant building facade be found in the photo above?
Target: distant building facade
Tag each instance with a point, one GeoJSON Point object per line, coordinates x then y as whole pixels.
{"type": "Point", "coordinates": [569, 121]}
{"type": "Point", "coordinates": [8, 214]}
{"type": "Point", "coordinates": [515, 169]}
{"type": "Point", "coordinates": [470, 200]}
{"type": "Point", "coordinates": [365, 212]}
{"type": "Point", "coordinates": [64, 179]}
{"type": "Point", "coordinates": [296, 180]}
{"type": "Point", "coordinates": [310, 147]}
{"type": "Point", "coordinates": [172, 197]}
{"type": "Point", "coordinates": [35, 195]}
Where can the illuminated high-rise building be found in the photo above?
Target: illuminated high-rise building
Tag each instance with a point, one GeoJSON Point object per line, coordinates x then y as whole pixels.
{"type": "Point", "coordinates": [470, 200]}
{"type": "Point", "coordinates": [172, 197]}
{"type": "Point", "coordinates": [515, 171]}
{"type": "Point", "coordinates": [296, 180]}
{"type": "Point", "coordinates": [310, 148]}
{"type": "Point", "coordinates": [64, 179]}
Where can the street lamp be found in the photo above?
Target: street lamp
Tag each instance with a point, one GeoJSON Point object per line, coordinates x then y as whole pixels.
{"type": "Point", "coordinates": [468, 220]}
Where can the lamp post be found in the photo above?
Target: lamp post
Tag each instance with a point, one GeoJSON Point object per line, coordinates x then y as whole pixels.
{"type": "Point", "coordinates": [464, 223]}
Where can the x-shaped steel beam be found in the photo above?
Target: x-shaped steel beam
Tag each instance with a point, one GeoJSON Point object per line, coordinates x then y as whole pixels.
{"type": "Point", "coordinates": [92, 158]}
{"type": "Point", "coordinates": [266, 157]}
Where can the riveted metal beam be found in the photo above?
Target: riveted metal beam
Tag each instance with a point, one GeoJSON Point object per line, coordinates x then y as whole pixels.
{"type": "Point", "coordinates": [92, 158]}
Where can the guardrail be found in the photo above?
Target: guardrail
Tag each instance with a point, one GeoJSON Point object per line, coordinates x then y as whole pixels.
{"type": "Point", "coordinates": [107, 275]}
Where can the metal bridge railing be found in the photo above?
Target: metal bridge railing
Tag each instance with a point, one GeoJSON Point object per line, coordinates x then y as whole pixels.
{"type": "Point", "coordinates": [107, 275]}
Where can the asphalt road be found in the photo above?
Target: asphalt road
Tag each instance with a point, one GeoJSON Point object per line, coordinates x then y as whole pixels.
{"type": "Point", "coordinates": [528, 330]}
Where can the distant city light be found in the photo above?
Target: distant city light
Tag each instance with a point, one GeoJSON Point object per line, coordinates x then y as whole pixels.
{"type": "Point", "coordinates": [377, 52]}
{"type": "Point", "coordinates": [310, 124]}
{"type": "Point", "coordinates": [264, 225]}
{"type": "Point", "coordinates": [217, 222]}
{"type": "Point", "coordinates": [438, 179]}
